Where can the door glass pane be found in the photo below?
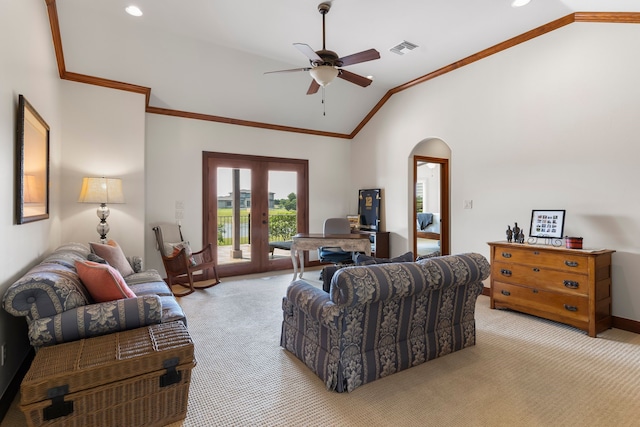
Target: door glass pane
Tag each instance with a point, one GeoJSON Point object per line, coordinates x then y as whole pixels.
{"type": "Point", "coordinates": [428, 208]}
{"type": "Point", "coordinates": [283, 210]}
{"type": "Point", "coordinates": [234, 210]}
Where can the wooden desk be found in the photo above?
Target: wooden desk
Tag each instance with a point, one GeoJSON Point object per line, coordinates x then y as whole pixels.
{"type": "Point", "coordinates": [308, 242]}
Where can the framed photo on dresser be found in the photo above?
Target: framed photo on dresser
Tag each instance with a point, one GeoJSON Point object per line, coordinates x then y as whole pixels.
{"type": "Point", "coordinates": [547, 223]}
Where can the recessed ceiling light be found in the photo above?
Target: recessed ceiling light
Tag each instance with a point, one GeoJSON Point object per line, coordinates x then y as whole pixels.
{"type": "Point", "coordinates": [519, 3]}
{"type": "Point", "coordinates": [133, 10]}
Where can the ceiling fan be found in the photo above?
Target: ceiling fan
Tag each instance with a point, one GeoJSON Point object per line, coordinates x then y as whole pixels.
{"type": "Point", "coordinates": [326, 64]}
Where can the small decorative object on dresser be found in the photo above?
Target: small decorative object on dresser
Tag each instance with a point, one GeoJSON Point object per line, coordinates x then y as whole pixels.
{"type": "Point", "coordinates": [573, 242]}
{"type": "Point", "coordinates": [571, 286]}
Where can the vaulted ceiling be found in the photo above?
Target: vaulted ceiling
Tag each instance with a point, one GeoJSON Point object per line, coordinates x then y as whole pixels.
{"type": "Point", "coordinates": [207, 58]}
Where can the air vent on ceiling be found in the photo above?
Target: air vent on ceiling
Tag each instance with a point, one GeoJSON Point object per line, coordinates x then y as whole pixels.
{"type": "Point", "coordinates": [403, 47]}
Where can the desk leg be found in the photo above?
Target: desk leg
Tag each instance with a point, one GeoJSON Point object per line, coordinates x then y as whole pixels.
{"type": "Point", "coordinates": [294, 261]}
{"type": "Point", "coordinates": [297, 255]}
{"type": "Point", "coordinates": [301, 258]}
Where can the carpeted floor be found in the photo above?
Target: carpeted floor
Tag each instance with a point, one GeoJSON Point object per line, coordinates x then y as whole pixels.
{"type": "Point", "coordinates": [524, 371]}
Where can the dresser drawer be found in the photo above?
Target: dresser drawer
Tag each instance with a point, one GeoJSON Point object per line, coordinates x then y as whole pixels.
{"type": "Point", "coordinates": [554, 305]}
{"type": "Point", "coordinates": [541, 258]}
{"type": "Point", "coordinates": [542, 278]}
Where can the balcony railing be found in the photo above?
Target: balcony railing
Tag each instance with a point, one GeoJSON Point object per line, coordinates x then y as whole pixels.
{"type": "Point", "coordinates": [281, 228]}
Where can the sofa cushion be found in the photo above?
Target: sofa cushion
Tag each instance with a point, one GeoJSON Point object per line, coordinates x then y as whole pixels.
{"type": "Point", "coordinates": [103, 281]}
{"type": "Point", "coordinates": [171, 310]}
{"type": "Point", "coordinates": [112, 253]}
{"type": "Point", "coordinates": [150, 288]}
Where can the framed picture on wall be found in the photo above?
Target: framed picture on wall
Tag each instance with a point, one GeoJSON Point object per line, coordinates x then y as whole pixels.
{"type": "Point", "coordinates": [547, 223]}
{"type": "Point", "coordinates": [32, 180]}
{"type": "Point", "coordinates": [369, 208]}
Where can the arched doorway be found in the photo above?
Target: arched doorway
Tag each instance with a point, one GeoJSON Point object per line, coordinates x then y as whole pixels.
{"type": "Point", "coordinates": [429, 217]}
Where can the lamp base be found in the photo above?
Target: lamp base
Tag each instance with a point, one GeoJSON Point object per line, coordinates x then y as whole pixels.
{"type": "Point", "coordinates": [103, 228]}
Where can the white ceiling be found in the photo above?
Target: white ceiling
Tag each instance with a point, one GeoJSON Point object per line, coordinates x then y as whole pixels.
{"type": "Point", "coordinates": [209, 56]}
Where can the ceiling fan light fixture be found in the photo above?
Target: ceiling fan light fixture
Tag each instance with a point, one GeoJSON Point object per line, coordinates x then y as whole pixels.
{"type": "Point", "coordinates": [519, 3]}
{"type": "Point", "coordinates": [324, 74]}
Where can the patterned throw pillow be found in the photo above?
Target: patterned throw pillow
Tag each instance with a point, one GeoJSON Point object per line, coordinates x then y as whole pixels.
{"type": "Point", "coordinates": [362, 259]}
{"type": "Point", "coordinates": [112, 253]}
{"type": "Point", "coordinates": [431, 255]}
{"type": "Point", "coordinates": [103, 282]}
{"type": "Point", "coordinates": [174, 249]}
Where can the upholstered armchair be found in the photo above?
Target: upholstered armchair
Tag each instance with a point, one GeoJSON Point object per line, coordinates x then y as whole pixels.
{"type": "Point", "coordinates": [383, 318]}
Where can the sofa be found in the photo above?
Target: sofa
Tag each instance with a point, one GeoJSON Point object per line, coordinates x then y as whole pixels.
{"type": "Point", "coordinates": [380, 319]}
{"type": "Point", "coordinates": [59, 308]}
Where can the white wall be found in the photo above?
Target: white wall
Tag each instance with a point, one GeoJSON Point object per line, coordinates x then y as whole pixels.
{"type": "Point", "coordinates": [174, 148]}
{"type": "Point", "coordinates": [549, 124]}
{"type": "Point", "coordinates": [103, 135]}
{"type": "Point", "coordinates": [27, 67]}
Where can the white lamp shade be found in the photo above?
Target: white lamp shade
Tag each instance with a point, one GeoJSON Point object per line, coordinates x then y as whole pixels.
{"type": "Point", "coordinates": [324, 74]}
{"type": "Point", "coordinates": [101, 190]}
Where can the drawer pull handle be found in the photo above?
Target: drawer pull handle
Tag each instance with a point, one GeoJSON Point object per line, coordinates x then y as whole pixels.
{"type": "Point", "coordinates": [571, 263]}
{"type": "Point", "coordinates": [503, 292]}
{"type": "Point", "coordinates": [506, 255]}
{"type": "Point", "coordinates": [505, 272]}
{"type": "Point", "coordinates": [536, 253]}
{"type": "Point", "coordinates": [536, 269]}
{"type": "Point", "coordinates": [571, 284]}
{"type": "Point", "coordinates": [570, 307]}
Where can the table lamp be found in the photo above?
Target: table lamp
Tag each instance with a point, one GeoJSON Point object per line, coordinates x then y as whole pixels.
{"type": "Point", "coordinates": [103, 191]}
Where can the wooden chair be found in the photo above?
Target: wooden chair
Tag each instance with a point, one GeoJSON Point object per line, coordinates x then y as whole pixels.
{"type": "Point", "coordinates": [181, 264]}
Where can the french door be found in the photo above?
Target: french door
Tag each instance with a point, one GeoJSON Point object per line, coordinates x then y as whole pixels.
{"type": "Point", "coordinates": [253, 205]}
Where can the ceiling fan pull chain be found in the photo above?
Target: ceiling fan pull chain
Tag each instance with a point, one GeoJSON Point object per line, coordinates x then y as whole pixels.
{"type": "Point", "coordinates": [324, 106]}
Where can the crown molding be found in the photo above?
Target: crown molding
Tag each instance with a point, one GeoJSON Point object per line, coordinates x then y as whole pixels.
{"type": "Point", "coordinates": [603, 17]}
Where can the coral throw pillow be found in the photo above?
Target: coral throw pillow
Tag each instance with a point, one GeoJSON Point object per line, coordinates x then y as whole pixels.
{"type": "Point", "coordinates": [112, 253]}
{"type": "Point", "coordinates": [103, 282]}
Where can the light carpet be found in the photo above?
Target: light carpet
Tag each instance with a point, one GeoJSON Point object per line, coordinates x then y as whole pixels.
{"type": "Point", "coordinates": [523, 371]}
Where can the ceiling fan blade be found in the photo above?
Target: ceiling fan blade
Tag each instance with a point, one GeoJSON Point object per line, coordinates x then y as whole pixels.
{"type": "Point", "coordinates": [313, 88]}
{"type": "Point", "coordinates": [354, 78]}
{"type": "Point", "coordinates": [288, 71]}
{"type": "Point", "coordinates": [308, 52]}
{"type": "Point", "coordinates": [356, 58]}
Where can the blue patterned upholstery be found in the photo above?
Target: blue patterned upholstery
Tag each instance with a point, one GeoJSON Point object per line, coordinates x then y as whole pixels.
{"type": "Point", "coordinates": [380, 319]}
{"type": "Point", "coordinates": [58, 308]}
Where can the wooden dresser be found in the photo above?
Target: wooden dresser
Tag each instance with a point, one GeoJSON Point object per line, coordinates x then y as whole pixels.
{"type": "Point", "coordinates": [571, 286]}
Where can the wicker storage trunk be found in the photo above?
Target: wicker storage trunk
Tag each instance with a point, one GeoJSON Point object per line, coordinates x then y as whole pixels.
{"type": "Point", "coordinates": [138, 377]}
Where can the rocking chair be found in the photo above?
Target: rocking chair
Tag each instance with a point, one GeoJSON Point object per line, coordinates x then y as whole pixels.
{"type": "Point", "coordinates": [179, 261]}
